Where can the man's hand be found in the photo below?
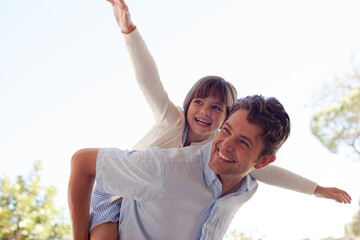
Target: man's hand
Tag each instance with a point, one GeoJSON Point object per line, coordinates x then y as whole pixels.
{"type": "Point", "coordinates": [336, 194]}
{"type": "Point", "coordinates": [122, 16]}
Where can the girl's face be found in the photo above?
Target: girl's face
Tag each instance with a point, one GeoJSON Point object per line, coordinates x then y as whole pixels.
{"type": "Point", "coordinates": [204, 116]}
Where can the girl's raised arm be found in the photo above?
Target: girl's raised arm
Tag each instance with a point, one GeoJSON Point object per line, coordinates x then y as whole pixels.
{"type": "Point", "coordinates": [122, 16]}
{"type": "Point", "coordinates": [147, 75]}
{"type": "Point", "coordinates": [279, 177]}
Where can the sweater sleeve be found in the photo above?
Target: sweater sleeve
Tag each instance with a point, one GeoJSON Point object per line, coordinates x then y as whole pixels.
{"type": "Point", "coordinates": [148, 79]}
{"type": "Point", "coordinates": [283, 178]}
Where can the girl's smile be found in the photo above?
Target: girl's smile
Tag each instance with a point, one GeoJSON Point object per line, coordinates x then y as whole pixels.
{"type": "Point", "coordinates": [204, 117]}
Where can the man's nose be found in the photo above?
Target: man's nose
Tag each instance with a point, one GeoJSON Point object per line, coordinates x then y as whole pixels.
{"type": "Point", "coordinates": [229, 143]}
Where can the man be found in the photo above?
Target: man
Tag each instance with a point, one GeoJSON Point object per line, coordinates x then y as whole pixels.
{"type": "Point", "coordinates": [192, 192]}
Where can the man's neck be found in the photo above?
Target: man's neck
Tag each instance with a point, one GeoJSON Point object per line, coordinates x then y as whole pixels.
{"type": "Point", "coordinates": [230, 186]}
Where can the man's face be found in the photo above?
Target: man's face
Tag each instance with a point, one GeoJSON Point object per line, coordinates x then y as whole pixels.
{"type": "Point", "coordinates": [236, 148]}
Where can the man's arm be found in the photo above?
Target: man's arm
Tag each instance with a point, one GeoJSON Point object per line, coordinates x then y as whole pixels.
{"type": "Point", "coordinates": [82, 177]}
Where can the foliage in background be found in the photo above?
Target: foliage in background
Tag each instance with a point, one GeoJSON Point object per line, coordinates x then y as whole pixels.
{"type": "Point", "coordinates": [234, 235]}
{"type": "Point", "coordinates": [237, 235]}
{"type": "Point", "coordinates": [353, 228]}
{"type": "Point", "coordinates": [337, 122]}
{"type": "Point", "coordinates": [27, 210]}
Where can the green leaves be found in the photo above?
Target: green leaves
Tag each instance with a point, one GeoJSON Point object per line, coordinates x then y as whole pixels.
{"type": "Point", "coordinates": [27, 210]}
{"type": "Point", "coordinates": [337, 123]}
{"type": "Point", "coordinates": [353, 228]}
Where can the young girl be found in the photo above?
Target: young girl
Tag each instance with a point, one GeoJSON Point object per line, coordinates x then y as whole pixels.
{"type": "Point", "coordinates": [204, 110]}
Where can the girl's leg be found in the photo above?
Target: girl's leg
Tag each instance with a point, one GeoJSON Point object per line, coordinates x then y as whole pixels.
{"type": "Point", "coordinates": [105, 231]}
{"type": "Point", "coordinates": [104, 215]}
{"type": "Point", "coordinates": [82, 177]}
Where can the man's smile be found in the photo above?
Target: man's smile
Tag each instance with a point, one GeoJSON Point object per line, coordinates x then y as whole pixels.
{"type": "Point", "coordinates": [224, 157]}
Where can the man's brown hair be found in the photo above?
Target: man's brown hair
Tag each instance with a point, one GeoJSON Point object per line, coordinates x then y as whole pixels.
{"type": "Point", "coordinates": [270, 114]}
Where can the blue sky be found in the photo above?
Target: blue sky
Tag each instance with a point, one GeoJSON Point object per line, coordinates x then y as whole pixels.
{"type": "Point", "coordinates": [66, 82]}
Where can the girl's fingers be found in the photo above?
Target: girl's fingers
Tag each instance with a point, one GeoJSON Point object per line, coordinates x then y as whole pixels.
{"type": "Point", "coordinates": [344, 197]}
{"type": "Point", "coordinates": [111, 1]}
{"type": "Point", "coordinates": [121, 2]}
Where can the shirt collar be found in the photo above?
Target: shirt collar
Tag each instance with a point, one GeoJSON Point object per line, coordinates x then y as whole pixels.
{"type": "Point", "coordinates": [209, 175]}
{"type": "Point", "coordinates": [247, 183]}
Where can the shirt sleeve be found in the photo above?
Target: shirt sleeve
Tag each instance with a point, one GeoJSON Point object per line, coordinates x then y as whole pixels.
{"type": "Point", "coordinates": [283, 178]}
{"type": "Point", "coordinates": [148, 79]}
{"type": "Point", "coordinates": [131, 174]}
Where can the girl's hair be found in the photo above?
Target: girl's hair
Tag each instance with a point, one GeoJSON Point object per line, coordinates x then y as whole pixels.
{"type": "Point", "coordinates": [211, 86]}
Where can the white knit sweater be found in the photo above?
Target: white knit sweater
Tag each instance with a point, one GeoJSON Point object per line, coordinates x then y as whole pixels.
{"type": "Point", "coordinates": [170, 120]}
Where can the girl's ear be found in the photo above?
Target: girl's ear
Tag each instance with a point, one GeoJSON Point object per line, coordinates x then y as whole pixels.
{"type": "Point", "coordinates": [264, 161]}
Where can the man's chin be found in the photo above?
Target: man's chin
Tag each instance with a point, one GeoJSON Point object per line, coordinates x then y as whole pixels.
{"type": "Point", "coordinates": [214, 166]}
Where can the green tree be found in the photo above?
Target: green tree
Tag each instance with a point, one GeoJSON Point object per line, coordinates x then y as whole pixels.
{"type": "Point", "coordinates": [27, 209]}
{"type": "Point", "coordinates": [235, 235]}
{"type": "Point", "coordinates": [353, 228]}
{"type": "Point", "coordinates": [337, 122]}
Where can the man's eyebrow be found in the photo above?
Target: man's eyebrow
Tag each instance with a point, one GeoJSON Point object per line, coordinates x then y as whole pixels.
{"type": "Point", "coordinates": [240, 135]}
{"type": "Point", "coordinates": [228, 125]}
{"type": "Point", "coordinates": [247, 139]}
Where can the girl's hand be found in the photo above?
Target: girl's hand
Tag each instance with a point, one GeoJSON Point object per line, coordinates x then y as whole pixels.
{"type": "Point", "coordinates": [122, 16]}
{"type": "Point", "coordinates": [336, 194]}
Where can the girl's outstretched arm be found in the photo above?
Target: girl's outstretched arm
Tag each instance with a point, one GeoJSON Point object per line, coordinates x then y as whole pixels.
{"type": "Point", "coordinates": [81, 182]}
{"type": "Point", "coordinates": [280, 177]}
{"type": "Point", "coordinates": [122, 16]}
{"type": "Point", "coordinates": [336, 194]}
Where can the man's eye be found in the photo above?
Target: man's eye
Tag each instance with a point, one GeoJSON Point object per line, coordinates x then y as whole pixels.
{"type": "Point", "coordinates": [244, 142]}
{"type": "Point", "coordinates": [226, 130]}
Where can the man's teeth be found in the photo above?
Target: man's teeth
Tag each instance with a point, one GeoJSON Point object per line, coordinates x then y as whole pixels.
{"type": "Point", "coordinates": [225, 158]}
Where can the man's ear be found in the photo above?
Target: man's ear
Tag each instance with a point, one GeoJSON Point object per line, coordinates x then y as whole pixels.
{"type": "Point", "coordinates": [264, 161]}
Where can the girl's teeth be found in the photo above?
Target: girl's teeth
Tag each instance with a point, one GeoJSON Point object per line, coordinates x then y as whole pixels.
{"type": "Point", "coordinates": [202, 122]}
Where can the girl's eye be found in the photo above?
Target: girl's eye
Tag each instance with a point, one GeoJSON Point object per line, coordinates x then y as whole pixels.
{"type": "Point", "coordinates": [197, 101]}
{"type": "Point", "coordinates": [217, 108]}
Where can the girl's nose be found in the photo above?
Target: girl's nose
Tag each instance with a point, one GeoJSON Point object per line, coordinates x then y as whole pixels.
{"type": "Point", "coordinates": [205, 110]}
